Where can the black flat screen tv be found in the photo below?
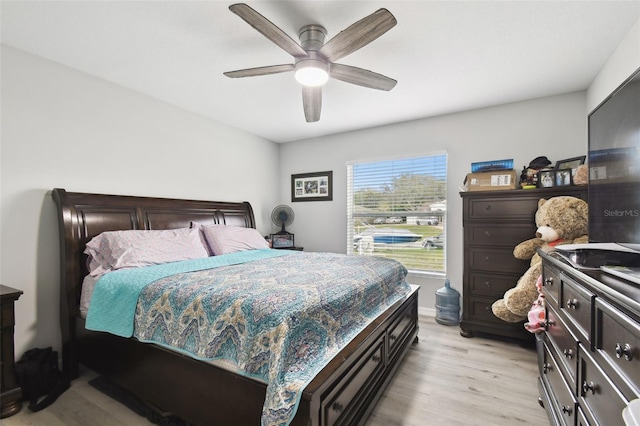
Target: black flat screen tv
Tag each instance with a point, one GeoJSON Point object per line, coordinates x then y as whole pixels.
{"type": "Point", "coordinates": [614, 167]}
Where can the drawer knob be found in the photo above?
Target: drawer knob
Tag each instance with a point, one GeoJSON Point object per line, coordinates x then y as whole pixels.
{"type": "Point", "coordinates": [487, 233]}
{"type": "Point", "coordinates": [567, 410]}
{"type": "Point", "coordinates": [337, 407]}
{"type": "Point", "coordinates": [624, 351]}
{"type": "Point", "coordinates": [376, 359]}
{"type": "Point", "coordinates": [487, 207]}
{"type": "Point", "coordinates": [393, 337]}
{"type": "Point", "coordinates": [572, 303]}
{"type": "Point", "coordinates": [548, 281]}
{"type": "Point", "coordinates": [588, 386]}
{"type": "Point", "coordinates": [547, 323]}
{"type": "Point", "coordinates": [488, 284]}
{"type": "Point", "coordinates": [546, 368]}
{"type": "Point", "coordinates": [568, 353]}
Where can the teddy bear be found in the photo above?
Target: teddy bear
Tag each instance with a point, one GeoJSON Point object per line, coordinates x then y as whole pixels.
{"type": "Point", "coordinates": [560, 220]}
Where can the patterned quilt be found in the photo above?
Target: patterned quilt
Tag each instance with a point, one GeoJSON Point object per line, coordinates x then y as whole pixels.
{"type": "Point", "coordinates": [278, 319]}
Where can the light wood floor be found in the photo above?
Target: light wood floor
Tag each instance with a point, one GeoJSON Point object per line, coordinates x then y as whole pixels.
{"type": "Point", "coordinates": [445, 379]}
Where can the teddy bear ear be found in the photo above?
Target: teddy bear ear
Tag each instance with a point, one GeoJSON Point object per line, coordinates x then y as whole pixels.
{"type": "Point", "coordinates": [541, 201]}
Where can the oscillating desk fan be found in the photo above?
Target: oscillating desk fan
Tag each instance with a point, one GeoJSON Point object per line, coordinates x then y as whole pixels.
{"type": "Point", "coordinates": [282, 216]}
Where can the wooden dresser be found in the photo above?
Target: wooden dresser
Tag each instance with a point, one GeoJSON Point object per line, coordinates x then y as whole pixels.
{"type": "Point", "coordinates": [494, 223]}
{"type": "Point", "coordinates": [589, 355]}
{"type": "Point", "coordinates": [10, 392]}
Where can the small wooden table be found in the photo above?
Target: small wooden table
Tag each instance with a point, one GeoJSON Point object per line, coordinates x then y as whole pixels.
{"type": "Point", "coordinates": [10, 392]}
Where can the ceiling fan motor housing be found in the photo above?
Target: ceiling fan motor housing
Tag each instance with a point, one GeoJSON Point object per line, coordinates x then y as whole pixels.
{"type": "Point", "coordinates": [312, 37]}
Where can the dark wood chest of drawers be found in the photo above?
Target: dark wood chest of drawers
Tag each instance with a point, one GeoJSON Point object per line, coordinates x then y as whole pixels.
{"type": "Point", "coordinates": [589, 354]}
{"type": "Point", "coordinates": [494, 223]}
{"type": "Point", "coordinates": [10, 392]}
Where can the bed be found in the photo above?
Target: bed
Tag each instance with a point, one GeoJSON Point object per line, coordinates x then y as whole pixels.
{"type": "Point", "coordinates": [343, 391]}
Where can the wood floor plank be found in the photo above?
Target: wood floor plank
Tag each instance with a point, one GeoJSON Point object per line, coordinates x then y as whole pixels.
{"type": "Point", "coordinates": [445, 379]}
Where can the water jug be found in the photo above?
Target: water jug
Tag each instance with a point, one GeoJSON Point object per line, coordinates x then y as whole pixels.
{"type": "Point", "coordinates": [447, 305]}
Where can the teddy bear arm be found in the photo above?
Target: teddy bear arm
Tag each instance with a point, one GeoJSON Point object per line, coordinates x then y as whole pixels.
{"type": "Point", "coordinates": [526, 249]}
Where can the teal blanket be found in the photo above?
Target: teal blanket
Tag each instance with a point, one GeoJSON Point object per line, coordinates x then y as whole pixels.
{"type": "Point", "coordinates": [279, 318]}
{"type": "Point", "coordinates": [115, 295]}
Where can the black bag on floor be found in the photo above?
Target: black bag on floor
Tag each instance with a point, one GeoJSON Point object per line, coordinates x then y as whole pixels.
{"type": "Point", "coordinates": [38, 375]}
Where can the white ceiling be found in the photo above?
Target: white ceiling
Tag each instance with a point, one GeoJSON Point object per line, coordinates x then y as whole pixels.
{"type": "Point", "coordinates": [447, 56]}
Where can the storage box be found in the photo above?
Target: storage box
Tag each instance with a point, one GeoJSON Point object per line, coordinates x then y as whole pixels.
{"type": "Point", "coordinates": [491, 181]}
{"type": "Point", "coordinates": [487, 166]}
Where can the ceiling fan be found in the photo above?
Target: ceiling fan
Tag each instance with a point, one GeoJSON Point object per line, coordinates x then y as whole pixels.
{"type": "Point", "coordinates": [314, 60]}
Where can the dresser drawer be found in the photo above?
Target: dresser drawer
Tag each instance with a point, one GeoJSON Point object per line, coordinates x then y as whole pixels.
{"type": "Point", "coordinates": [575, 303]}
{"type": "Point", "coordinates": [400, 329]}
{"type": "Point", "coordinates": [565, 343]}
{"type": "Point", "coordinates": [618, 341]}
{"type": "Point", "coordinates": [503, 208]}
{"type": "Point", "coordinates": [597, 394]}
{"type": "Point", "coordinates": [498, 234]}
{"type": "Point", "coordinates": [581, 418]}
{"type": "Point", "coordinates": [550, 284]}
{"type": "Point", "coordinates": [479, 309]}
{"type": "Point", "coordinates": [496, 260]}
{"type": "Point", "coordinates": [561, 394]}
{"type": "Point", "coordinates": [491, 285]}
{"type": "Point", "coordinates": [347, 398]}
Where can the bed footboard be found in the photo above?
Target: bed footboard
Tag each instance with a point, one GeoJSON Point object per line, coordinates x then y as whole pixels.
{"type": "Point", "coordinates": [343, 393]}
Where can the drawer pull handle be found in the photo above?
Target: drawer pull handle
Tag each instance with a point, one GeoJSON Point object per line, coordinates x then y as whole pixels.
{"type": "Point", "coordinates": [548, 281]}
{"type": "Point", "coordinates": [376, 359]}
{"type": "Point", "coordinates": [546, 368]}
{"type": "Point", "coordinates": [487, 207]}
{"type": "Point", "coordinates": [547, 323]}
{"type": "Point", "coordinates": [572, 303]}
{"type": "Point", "coordinates": [488, 284]}
{"type": "Point", "coordinates": [590, 386]}
{"type": "Point", "coordinates": [337, 407]}
{"type": "Point", "coordinates": [487, 258]}
{"type": "Point", "coordinates": [624, 351]}
{"type": "Point", "coordinates": [393, 337]}
{"type": "Point", "coordinates": [487, 233]}
{"type": "Point", "coordinates": [568, 353]}
{"type": "Point", "coordinates": [567, 410]}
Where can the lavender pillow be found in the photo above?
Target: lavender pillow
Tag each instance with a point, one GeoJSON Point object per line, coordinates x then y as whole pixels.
{"type": "Point", "coordinates": [114, 250]}
{"type": "Point", "coordinates": [223, 239]}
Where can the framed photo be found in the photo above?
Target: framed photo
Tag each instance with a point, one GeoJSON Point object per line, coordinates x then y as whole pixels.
{"type": "Point", "coordinates": [312, 187]}
{"type": "Point", "coordinates": [570, 163]}
{"type": "Point", "coordinates": [563, 177]}
{"type": "Point", "coordinates": [282, 240]}
{"type": "Point", "coordinates": [546, 178]}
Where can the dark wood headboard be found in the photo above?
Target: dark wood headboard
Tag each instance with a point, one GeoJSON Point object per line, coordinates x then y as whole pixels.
{"type": "Point", "coordinates": [82, 216]}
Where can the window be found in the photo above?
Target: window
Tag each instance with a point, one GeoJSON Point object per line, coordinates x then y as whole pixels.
{"type": "Point", "coordinates": [397, 209]}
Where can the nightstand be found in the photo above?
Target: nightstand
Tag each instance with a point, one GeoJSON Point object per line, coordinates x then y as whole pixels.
{"type": "Point", "coordinates": [290, 248]}
{"type": "Point", "coordinates": [10, 392]}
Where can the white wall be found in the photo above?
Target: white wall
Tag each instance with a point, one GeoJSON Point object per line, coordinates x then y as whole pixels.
{"type": "Point", "coordinates": [553, 126]}
{"type": "Point", "coordinates": [620, 65]}
{"type": "Point", "coordinates": [63, 128]}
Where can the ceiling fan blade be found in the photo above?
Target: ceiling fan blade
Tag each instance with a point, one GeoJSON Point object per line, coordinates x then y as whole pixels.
{"type": "Point", "coordinates": [312, 103]}
{"type": "Point", "coordinates": [358, 35]}
{"type": "Point", "coordinates": [268, 29]}
{"type": "Point", "coordinates": [361, 77]}
{"type": "Point", "coordinates": [253, 72]}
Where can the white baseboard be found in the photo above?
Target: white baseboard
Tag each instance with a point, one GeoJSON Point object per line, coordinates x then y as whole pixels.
{"type": "Point", "coordinates": [429, 312]}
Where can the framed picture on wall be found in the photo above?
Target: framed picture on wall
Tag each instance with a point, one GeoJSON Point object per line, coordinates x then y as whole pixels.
{"type": "Point", "coordinates": [312, 186]}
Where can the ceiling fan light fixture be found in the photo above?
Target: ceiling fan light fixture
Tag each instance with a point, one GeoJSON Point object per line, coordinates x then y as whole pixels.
{"type": "Point", "coordinates": [311, 72]}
